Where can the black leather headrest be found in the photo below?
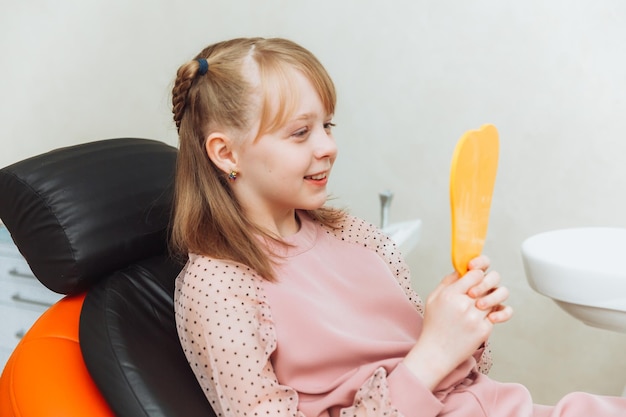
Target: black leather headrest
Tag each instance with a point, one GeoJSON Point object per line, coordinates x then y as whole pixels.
{"type": "Point", "coordinates": [79, 213]}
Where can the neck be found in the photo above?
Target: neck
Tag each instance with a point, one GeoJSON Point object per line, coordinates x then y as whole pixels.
{"type": "Point", "coordinates": [285, 225]}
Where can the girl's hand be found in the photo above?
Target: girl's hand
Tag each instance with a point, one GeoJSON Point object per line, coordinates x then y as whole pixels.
{"type": "Point", "coordinates": [488, 295]}
{"type": "Point", "coordinates": [459, 317]}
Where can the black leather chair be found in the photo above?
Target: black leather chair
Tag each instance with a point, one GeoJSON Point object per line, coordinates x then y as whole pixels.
{"type": "Point", "coordinates": [92, 221]}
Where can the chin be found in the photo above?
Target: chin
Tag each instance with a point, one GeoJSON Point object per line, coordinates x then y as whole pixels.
{"type": "Point", "coordinates": [313, 202]}
{"type": "Point", "coordinates": [312, 206]}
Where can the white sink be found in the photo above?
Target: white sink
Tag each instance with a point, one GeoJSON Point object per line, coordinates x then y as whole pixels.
{"type": "Point", "coordinates": [583, 270]}
{"type": "Point", "coordinates": [405, 234]}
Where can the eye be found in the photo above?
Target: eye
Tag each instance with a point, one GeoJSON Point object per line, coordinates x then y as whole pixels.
{"type": "Point", "coordinates": [300, 133]}
{"type": "Point", "coordinates": [328, 126]}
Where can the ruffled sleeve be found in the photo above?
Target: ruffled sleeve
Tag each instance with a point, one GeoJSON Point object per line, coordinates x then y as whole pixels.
{"type": "Point", "coordinates": [226, 332]}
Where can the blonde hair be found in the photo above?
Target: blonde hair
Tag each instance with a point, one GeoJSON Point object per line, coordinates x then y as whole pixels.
{"type": "Point", "coordinates": [207, 218]}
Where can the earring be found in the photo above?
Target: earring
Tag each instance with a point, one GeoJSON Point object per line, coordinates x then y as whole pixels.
{"type": "Point", "coordinates": [232, 175]}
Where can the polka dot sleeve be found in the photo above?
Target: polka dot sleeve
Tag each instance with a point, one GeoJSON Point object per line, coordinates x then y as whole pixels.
{"type": "Point", "coordinates": [227, 333]}
{"type": "Point", "coordinates": [226, 330]}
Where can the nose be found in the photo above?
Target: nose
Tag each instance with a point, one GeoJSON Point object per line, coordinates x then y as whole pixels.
{"type": "Point", "coordinates": [325, 146]}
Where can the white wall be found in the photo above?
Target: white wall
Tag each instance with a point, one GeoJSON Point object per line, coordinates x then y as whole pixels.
{"type": "Point", "coordinates": [412, 76]}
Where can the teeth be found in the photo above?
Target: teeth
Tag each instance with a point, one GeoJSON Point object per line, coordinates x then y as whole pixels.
{"type": "Point", "coordinates": [317, 177]}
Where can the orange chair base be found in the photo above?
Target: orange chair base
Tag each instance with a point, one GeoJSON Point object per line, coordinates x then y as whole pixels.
{"type": "Point", "coordinates": [46, 376]}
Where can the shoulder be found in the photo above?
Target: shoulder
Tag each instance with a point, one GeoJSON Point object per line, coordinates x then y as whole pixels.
{"type": "Point", "coordinates": [217, 280]}
{"type": "Point", "coordinates": [358, 231]}
{"type": "Point", "coordinates": [361, 232]}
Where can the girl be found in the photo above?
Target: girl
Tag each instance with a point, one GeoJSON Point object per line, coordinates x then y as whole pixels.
{"type": "Point", "coordinates": [290, 308]}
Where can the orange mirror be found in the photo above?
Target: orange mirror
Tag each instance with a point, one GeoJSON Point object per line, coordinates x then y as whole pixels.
{"type": "Point", "coordinates": [472, 178]}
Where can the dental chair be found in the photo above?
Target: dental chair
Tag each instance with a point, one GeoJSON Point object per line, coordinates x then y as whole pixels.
{"type": "Point", "coordinates": [92, 221]}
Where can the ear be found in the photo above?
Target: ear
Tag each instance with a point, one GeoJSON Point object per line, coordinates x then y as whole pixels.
{"type": "Point", "coordinates": [220, 149]}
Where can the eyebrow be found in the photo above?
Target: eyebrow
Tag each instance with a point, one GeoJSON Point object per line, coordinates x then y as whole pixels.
{"type": "Point", "coordinates": [304, 116]}
{"type": "Point", "coordinates": [297, 119]}
{"type": "Point", "coordinates": [308, 116]}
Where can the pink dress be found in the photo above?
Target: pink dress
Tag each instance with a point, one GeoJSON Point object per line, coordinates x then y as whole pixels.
{"type": "Point", "coordinates": [328, 338]}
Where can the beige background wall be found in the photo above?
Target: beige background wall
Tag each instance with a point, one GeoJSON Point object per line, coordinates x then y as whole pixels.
{"type": "Point", "coordinates": [412, 76]}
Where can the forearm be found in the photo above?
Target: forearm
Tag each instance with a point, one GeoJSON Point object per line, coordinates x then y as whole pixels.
{"type": "Point", "coordinates": [428, 365]}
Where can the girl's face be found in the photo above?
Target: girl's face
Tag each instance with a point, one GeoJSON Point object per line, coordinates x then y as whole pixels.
{"type": "Point", "coordinates": [288, 169]}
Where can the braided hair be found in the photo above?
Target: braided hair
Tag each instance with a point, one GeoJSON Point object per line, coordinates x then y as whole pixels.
{"type": "Point", "coordinates": [216, 90]}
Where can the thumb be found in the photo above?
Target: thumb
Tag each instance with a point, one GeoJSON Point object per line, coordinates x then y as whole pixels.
{"type": "Point", "coordinates": [450, 278]}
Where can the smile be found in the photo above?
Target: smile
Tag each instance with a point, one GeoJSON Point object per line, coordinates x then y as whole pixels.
{"type": "Point", "coordinates": [316, 177]}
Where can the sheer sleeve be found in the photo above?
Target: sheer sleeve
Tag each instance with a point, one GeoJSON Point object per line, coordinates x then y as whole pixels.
{"type": "Point", "coordinates": [226, 331]}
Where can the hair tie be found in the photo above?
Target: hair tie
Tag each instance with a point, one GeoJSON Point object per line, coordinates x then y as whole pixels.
{"type": "Point", "coordinates": [204, 66]}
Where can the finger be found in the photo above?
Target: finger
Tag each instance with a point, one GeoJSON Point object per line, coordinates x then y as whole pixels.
{"type": "Point", "coordinates": [487, 285]}
{"type": "Point", "coordinates": [500, 315]}
{"type": "Point", "coordinates": [493, 299]}
{"type": "Point", "coordinates": [470, 280]}
{"type": "Point", "coordinates": [480, 262]}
